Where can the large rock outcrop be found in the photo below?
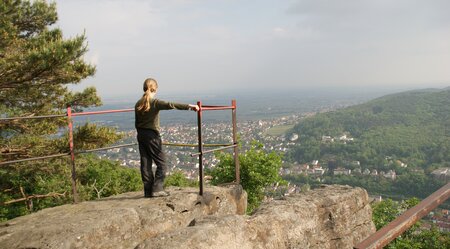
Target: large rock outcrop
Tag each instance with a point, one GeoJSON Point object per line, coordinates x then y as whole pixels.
{"type": "Point", "coordinates": [121, 221]}
{"type": "Point", "coordinates": [328, 217]}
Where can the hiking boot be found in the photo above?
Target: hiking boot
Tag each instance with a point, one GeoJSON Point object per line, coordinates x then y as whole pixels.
{"type": "Point", "coordinates": [158, 187]}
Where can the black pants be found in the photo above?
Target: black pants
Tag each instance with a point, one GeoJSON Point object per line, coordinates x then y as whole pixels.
{"type": "Point", "coordinates": [150, 149]}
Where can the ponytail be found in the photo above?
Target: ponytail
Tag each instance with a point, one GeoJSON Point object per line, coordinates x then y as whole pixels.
{"type": "Point", "coordinates": [150, 86]}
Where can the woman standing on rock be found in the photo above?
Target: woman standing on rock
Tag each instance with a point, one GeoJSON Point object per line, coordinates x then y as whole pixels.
{"type": "Point", "coordinates": [147, 125]}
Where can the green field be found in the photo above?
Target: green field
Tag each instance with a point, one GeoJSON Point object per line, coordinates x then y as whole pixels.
{"type": "Point", "coordinates": [278, 130]}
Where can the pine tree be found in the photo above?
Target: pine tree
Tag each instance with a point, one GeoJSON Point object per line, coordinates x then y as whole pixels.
{"type": "Point", "coordinates": [37, 64]}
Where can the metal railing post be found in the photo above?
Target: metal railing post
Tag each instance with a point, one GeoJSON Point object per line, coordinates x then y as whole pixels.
{"type": "Point", "coordinates": [235, 142]}
{"type": "Point", "coordinates": [200, 147]}
{"type": "Point", "coordinates": [72, 155]}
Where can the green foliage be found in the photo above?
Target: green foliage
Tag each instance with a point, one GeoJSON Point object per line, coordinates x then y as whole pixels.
{"type": "Point", "coordinates": [258, 170]}
{"type": "Point", "coordinates": [90, 136]}
{"type": "Point", "coordinates": [35, 55]}
{"type": "Point", "coordinates": [387, 210]}
{"type": "Point", "coordinates": [407, 185]}
{"type": "Point", "coordinates": [96, 178]}
{"type": "Point", "coordinates": [426, 239]}
{"type": "Point", "coordinates": [177, 178]}
{"type": "Point", "coordinates": [38, 178]}
{"type": "Point", "coordinates": [102, 178]}
{"type": "Point", "coordinates": [413, 184]}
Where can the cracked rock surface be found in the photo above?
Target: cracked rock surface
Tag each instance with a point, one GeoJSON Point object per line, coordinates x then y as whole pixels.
{"type": "Point", "coordinates": [328, 217]}
{"type": "Point", "coordinates": [121, 221]}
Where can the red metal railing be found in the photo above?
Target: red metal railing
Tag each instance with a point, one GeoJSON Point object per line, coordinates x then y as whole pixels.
{"type": "Point", "coordinates": [200, 144]}
{"type": "Point", "coordinates": [394, 229]}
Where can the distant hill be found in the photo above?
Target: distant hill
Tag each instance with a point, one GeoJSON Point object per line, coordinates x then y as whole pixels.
{"type": "Point", "coordinates": [410, 127]}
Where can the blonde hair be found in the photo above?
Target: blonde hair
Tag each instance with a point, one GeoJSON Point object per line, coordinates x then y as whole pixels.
{"type": "Point", "coordinates": [150, 86]}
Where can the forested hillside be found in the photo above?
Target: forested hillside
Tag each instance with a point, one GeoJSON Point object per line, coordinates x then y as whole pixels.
{"type": "Point", "coordinates": [406, 129]}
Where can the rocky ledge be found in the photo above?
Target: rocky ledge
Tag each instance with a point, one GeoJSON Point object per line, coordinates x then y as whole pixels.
{"type": "Point", "coordinates": [121, 221]}
{"type": "Point", "coordinates": [328, 217]}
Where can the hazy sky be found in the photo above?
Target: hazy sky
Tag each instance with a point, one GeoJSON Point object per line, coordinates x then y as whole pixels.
{"type": "Point", "coordinates": [230, 45]}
